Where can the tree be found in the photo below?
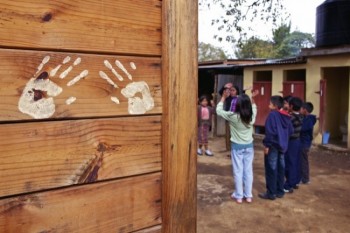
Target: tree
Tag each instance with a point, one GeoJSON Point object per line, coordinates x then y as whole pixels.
{"type": "Point", "coordinates": [281, 33]}
{"type": "Point", "coordinates": [255, 48]}
{"type": "Point", "coordinates": [240, 11]}
{"type": "Point", "coordinates": [208, 52]}
{"type": "Point", "coordinates": [284, 44]}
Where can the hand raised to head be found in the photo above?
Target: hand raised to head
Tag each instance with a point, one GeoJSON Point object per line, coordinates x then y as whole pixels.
{"type": "Point", "coordinates": [255, 93]}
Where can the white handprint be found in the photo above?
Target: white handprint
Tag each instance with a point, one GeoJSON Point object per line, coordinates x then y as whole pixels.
{"type": "Point", "coordinates": [37, 97]}
{"type": "Point", "coordinates": [136, 105]}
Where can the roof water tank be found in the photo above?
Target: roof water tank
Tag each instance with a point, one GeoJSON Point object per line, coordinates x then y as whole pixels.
{"type": "Point", "coordinates": [333, 23]}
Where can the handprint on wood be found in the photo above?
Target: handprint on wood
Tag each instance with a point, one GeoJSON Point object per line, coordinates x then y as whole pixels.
{"type": "Point", "coordinates": [38, 95]}
{"type": "Point", "coordinates": [37, 99]}
{"type": "Point", "coordinates": [136, 105]}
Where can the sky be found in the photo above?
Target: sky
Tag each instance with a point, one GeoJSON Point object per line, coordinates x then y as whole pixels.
{"type": "Point", "coordinates": [302, 17]}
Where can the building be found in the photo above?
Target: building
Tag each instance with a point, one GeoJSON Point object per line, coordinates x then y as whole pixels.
{"type": "Point", "coordinates": [213, 75]}
{"type": "Point", "coordinates": [319, 75]}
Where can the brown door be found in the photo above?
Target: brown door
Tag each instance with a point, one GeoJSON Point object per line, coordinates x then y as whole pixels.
{"type": "Point", "coordinates": [263, 101]}
{"type": "Point", "coordinates": [323, 103]}
{"type": "Point", "coordinates": [294, 88]}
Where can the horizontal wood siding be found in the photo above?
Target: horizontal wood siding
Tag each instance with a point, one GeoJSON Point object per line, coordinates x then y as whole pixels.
{"type": "Point", "coordinates": [93, 93]}
{"type": "Point", "coordinates": [116, 206]}
{"type": "Point", "coordinates": [82, 91]}
{"type": "Point", "coordinates": [122, 26]}
{"type": "Point", "coordinates": [37, 156]}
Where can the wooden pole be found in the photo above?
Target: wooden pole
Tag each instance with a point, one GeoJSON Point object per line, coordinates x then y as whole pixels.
{"type": "Point", "coordinates": [216, 81]}
{"type": "Point", "coordinates": [180, 85]}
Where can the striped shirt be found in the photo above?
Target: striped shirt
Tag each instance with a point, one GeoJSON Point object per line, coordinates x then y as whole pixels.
{"type": "Point", "coordinates": [297, 122]}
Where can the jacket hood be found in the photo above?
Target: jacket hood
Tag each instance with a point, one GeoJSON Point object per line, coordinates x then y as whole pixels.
{"type": "Point", "coordinates": [284, 117]}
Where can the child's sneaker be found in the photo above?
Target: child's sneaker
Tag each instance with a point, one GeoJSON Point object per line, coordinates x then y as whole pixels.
{"type": "Point", "coordinates": [199, 152]}
{"type": "Point", "coordinates": [288, 190]}
{"type": "Point", "coordinates": [208, 153]}
{"type": "Point", "coordinates": [248, 199]}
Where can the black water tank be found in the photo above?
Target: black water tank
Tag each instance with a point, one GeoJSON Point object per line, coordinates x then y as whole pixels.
{"type": "Point", "coordinates": [333, 23]}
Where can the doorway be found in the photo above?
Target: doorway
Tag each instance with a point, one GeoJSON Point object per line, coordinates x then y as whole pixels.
{"type": "Point", "coordinates": [335, 104]}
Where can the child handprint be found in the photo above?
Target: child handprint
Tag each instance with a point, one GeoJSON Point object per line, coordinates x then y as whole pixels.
{"type": "Point", "coordinates": [37, 97]}
{"type": "Point", "coordinates": [136, 105]}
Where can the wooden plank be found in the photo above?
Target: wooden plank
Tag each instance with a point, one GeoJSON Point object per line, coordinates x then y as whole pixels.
{"type": "Point", "coordinates": [155, 229]}
{"type": "Point", "coordinates": [117, 206]}
{"type": "Point", "coordinates": [120, 26]}
{"type": "Point", "coordinates": [180, 79]}
{"type": "Point", "coordinates": [45, 155]}
{"type": "Point", "coordinates": [20, 73]}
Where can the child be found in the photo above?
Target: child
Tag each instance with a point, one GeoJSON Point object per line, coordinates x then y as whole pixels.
{"type": "Point", "coordinates": [226, 88]}
{"type": "Point", "coordinates": [306, 136]}
{"type": "Point", "coordinates": [286, 100]}
{"type": "Point", "coordinates": [227, 106]}
{"type": "Point", "coordinates": [242, 153]}
{"type": "Point", "coordinates": [234, 93]}
{"type": "Point", "coordinates": [293, 154]}
{"type": "Point", "coordinates": [278, 128]}
{"type": "Point", "coordinates": [205, 113]}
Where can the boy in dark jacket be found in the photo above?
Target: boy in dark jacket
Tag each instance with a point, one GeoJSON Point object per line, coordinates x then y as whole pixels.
{"type": "Point", "coordinates": [306, 136]}
{"type": "Point", "coordinates": [293, 154]}
{"type": "Point", "coordinates": [278, 128]}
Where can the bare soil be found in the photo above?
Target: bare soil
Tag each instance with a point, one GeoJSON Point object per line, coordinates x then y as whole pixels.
{"type": "Point", "coordinates": [321, 206]}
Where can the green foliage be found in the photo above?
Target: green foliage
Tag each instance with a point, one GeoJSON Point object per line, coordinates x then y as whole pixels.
{"type": "Point", "coordinates": [294, 42]}
{"type": "Point", "coordinates": [284, 44]}
{"type": "Point", "coordinates": [281, 33]}
{"type": "Point", "coordinates": [255, 48]}
{"type": "Point", "coordinates": [208, 52]}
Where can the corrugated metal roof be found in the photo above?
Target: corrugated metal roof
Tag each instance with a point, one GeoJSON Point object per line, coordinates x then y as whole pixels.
{"type": "Point", "coordinates": [249, 63]}
{"type": "Point", "coordinates": [285, 61]}
{"type": "Point", "coordinates": [231, 62]}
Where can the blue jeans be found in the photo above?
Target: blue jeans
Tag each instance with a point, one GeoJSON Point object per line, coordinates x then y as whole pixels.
{"type": "Point", "coordinates": [242, 162]}
{"type": "Point", "coordinates": [274, 172]}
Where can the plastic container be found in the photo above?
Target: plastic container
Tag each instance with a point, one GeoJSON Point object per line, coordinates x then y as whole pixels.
{"type": "Point", "coordinates": [325, 137]}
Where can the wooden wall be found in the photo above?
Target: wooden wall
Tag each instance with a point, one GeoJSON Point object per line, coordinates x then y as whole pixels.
{"type": "Point", "coordinates": [96, 124]}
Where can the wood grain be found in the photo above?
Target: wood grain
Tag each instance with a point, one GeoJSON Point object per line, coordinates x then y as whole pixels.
{"type": "Point", "coordinates": [117, 206]}
{"type": "Point", "coordinates": [45, 155]}
{"type": "Point", "coordinates": [154, 229]}
{"type": "Point", "coordinates": [180, 79]}
{"type": "Point", "coordinates": [93, 94]}
{"type": "Point", "coordinates": [121, 26]}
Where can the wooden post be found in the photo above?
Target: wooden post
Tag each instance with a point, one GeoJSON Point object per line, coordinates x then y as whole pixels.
{"type": "Point", "coordinates": [180, 85]}
{"type": "Point", "coordinates": [215, 125]}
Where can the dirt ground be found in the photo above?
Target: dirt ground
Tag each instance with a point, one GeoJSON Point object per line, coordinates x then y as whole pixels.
{"type": "Point", "coordinates": [321, 206]}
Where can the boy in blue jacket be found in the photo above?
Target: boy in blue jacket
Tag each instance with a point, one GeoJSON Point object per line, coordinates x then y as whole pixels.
{"type": "Point", "coordinates": [306, 136]}
{"type": "Point", "coordinates": [278, 128]}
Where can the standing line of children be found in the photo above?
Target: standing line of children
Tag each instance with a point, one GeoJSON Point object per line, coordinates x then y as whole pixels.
{"type": "Point", "coordinates": [288, 137]}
